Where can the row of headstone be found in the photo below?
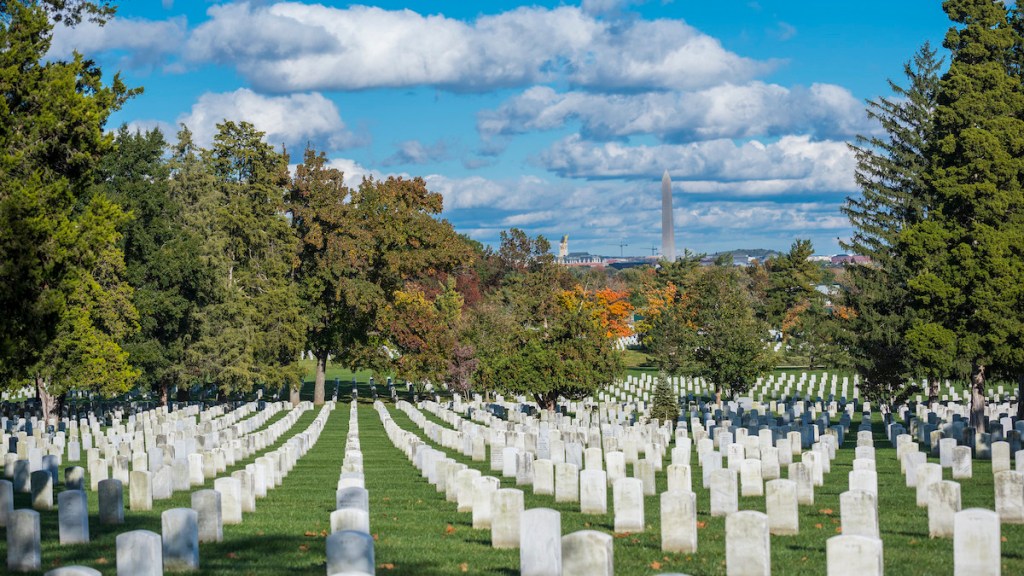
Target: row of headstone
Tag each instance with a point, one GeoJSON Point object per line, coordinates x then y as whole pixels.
{"type": "Point", "coordinates": [350, 548]}
{"type": "Point", "coordinates": [182, 528]}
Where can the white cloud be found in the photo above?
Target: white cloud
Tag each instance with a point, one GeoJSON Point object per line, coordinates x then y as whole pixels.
{"type": "Point", "coordinates": [791, 164]}
{"type": "Point", "coordinates": [293, 120]}
{"type": "Point", "coordinates": [144, 43]}
{"type": "Point", "coordinates": [724, 111]}
{"type": "Point", "coordinates": [291, 46]}
{"type": "Point", "coordinates": [416, 152]}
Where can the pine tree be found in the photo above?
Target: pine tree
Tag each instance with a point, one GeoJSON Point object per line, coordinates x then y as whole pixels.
{"type": "Point", "coordinates": [666, 405]}
{"type": "Point", "coordinates": [893, 196]}
{"type": "Point", "coordinates": [967, 253]}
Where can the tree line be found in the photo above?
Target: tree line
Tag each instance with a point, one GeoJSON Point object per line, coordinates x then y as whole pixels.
{"type": "Point", "coordinates": [130, 261]}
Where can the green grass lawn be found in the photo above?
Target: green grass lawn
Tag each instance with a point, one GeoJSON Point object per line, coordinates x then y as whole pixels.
{"type": "Point", "coordinates": [418, 532]}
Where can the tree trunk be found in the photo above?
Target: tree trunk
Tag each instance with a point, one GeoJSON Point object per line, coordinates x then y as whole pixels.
{"type": "Point", "coordinates": [933, 391]}
{"type": "Point", "coordinates": [321, 378]}
{"type": "Point", "coordinates": [294, 396]}
{"type": "Point", "coordinates": [165, 390]}
{"type": "Point", "coordinates": [1020, 396]}
{"type": "Point", "coordinates": [978, 398]}
{"type": "Point", "coordinates": [46, 400]}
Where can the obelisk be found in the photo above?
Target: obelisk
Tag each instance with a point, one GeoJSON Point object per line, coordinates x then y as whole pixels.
{"type": "Point", "coordinates": [668, 234]}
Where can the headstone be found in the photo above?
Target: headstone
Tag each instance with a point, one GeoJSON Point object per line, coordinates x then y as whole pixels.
{"type": "Point", "coordinates": [139, 553]}
{"type": "Point", "coordinates": [943, 504]}
{"type": "Point", "coordinates": [747, 544]}
{"type": "Point", "coordinates": [350, 551]}
{"type": "Point", "coordinates": [483, 488]}
{"type": "Point", "coordinates": [930, 473]}
{"type": "Point", "coordinates": [679, 522]}
{"type": "Point", "coordinates": [1009, 495]}
{"type": "Point", "coordinates": [506, 509]}
{"type": "Point", "coordinates": [248, 490]}
{"type": "Point", "coordinates": [24, 553]}
{"type": "Point", "coordinates": [111, 501]}
{"type": "Point", "coordinates": [1000, 457]}
{"type": "Point", "coordinates": [74, 478]}
{"type": "Point", "coordinates": [866, 480]}
{"type": "Point", "coordinates": [230, 499]}
{"type": "Point", "coordinates": [963, 466]}
{"type": "Point", "coordinates": [540, 542]}
{"type": "Point", "coordinates": [42, 490]}
{"type": "Point", "coordinates": [180, 539]}
{"type": "Point", "coordinates": [679, 478]}
{"type": "Point", "coordinates": [544, 477]}
{"type": "Point", "coordinates": [853, 555]}
{"type": "Point", "coordinates": [799, 473]}
{"type": "Point", "coordinates": [464, 485]}
{"type": "Point", "coordinates": [140, 490]}
{"type": "Point", "coordinates": [566, 483]}
{"type": "Point", "coordinates": [751, 483]}
{"type": "Point", "coordinates": [353, 497]}
{"type": "Point", "coordinates": [858, 512]}
{"type": "Point", "coordinates": [782, 508]}
{"type": "Point", "coordinates": [73, 517]}
{"type": "Point", "coordinates": [628, 503]}
{"type": "Point", "coordinates": [616, 466]}
{"type": "Point", "coordinates": [593, 492]}
{"type": "Point", "coordinates": [206, 503]}
{"type": "Point", "coordinates": [350, 519]}
{"type": "Point", "coordinates": [587, 553]}
{"type": "Point", "coordinates": [6, 501]}
{"type": "Point", "coordinates": [976, 542]}
{"type": "Point", "coordinates": [724, 496]}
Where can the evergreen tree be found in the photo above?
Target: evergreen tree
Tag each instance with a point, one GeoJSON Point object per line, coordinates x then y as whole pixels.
{"type": "Point", "coordinates": [666, 404]}
{"type": "Point", "coordinates": [162, 255]}
{"type": "Point", "coordinates": [893, 196]}
{"type": "Point", "coordinates": [967, 253]}
{"type": "Point", "coordinates": [253, 329]}
{"type": "Point", "coordinates": [66, 305]}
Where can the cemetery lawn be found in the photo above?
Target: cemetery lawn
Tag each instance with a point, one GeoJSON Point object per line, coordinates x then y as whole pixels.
{"type": "Point", "coordinates": [417, 532]}
{"type": "Point", "coordinates": [439, 540]}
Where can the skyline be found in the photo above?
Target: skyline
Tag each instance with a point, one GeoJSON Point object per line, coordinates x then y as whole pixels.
{"type": "Point", "coordinates": [554, 118]}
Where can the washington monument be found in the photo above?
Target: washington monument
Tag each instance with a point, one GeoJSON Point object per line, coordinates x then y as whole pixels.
{"type": "Point", "coordinates": [668, 234]}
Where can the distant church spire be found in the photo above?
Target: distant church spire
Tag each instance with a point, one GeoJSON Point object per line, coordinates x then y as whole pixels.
{"type": "Point", "coordinates": [668, 234]}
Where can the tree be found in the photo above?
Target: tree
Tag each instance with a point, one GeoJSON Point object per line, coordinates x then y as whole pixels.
{"type": "Point", "coordinates": [890, 171]}
{"type": "Point", "coordinates": [966, 253]}
{"type": "Point", "coordinates": [253, 329]}
{"type": "Point", "coordinates": [359, 248]}
{"type": "Point", "coordinates": [537, 333]}
{"type": "Point", "coordinates": [66, 305]}
{"type": "Point", "coordinates": [171, 281]}
{"type": "Point", "coordinates": [731, 352]}
{"type": "Point", "coordinates": [665, 406]}
{"type": "Point", "coordinates": [791, 282]}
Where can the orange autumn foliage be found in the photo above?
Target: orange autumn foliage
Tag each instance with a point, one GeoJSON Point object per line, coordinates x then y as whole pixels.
{"type": "Point", "coordinates": [610, 309]}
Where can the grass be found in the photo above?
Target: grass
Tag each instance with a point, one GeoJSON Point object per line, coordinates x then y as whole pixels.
{"type": "Point", "coordinates": [271, 540]}
{"type": "Point", "coordinates": [418, 532]}
{"type": "Point", "coordinates": [904, 526]}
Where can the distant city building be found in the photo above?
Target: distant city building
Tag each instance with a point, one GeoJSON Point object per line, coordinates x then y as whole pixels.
{"type": "Point", "coordinates": [583, 259]}
{"type": "Point", "coordinates": [841, 259]}
{"type": "Point", "coordinates": [563, 248]}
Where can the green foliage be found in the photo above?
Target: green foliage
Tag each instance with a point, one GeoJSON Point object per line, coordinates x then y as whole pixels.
{"type": "Point", "coordinates": [790, 286]}
{"type": "Point", "coordinates": [731, 352]}
{"type": "Point", "coordinates": [67, 306]}
{"type": "Point", "coordinates": [359, 248]}
{"type": "Point", "coordinates": [665, 406]}
{"type": "Point", "coordinates": [967, 278]}
{"type": "Point", "coordinates": [893, 197]}
{"type": "Point", "coordinates": [534, 336]}
{"type": "Point", "coordinates": [251, 329]}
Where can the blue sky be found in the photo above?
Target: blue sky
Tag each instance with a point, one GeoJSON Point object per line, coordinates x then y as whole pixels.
{"type": "Point", "coordinates": [558, 118]}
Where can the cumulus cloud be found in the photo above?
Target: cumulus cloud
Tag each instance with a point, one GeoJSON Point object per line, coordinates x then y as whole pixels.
{"type": "Point", "coordinates": [597, 215]}
{"type": "Point", "coordinates": [416, 152]}
{"type": "Point", "coordinates": [292, 47]}
{"type": "Point", "coordinates": [293, 120]}
{"type": "Point", "coordinates": [144, 43]}
{"type": "Point", "coordinates": [755, 109]}
{"type": "Point", "coordinates": [791, 164]}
